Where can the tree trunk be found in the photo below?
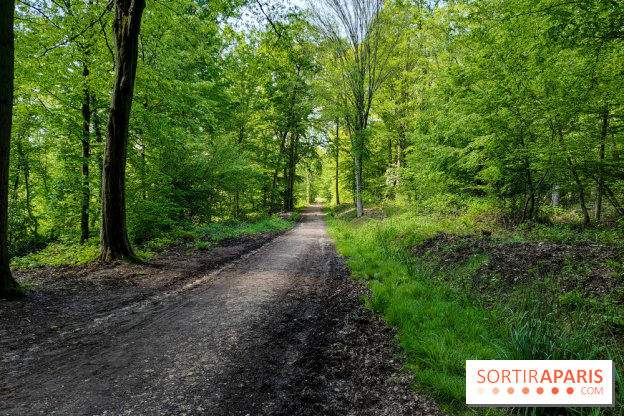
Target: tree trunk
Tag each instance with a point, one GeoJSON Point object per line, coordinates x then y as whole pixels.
{"type": "Point", "coordinates": [357, 144]}
{"type": "Point", "coordinates": [358, 184]}
{"type": "Point", "coordinates": [279, 161]}
{"type": "Point", "coordinates": [8, 285]}
{"type": "Point", "coordinates": [86, 153]}
{"type": "Point", "coordinates": [603, 139]}
{"type": "Point", "coordinates": [308, 188]}
{"type": "Point", "coordinates": [577, 179]}
{"type": "Point", "coordinates": [114, 234]}
{"type": "Point", "coordinates": [555, 195]}
{"type": "Point", "coordinates": [293, 171]}
{"type": "Point", "coordinates": [337, 156]}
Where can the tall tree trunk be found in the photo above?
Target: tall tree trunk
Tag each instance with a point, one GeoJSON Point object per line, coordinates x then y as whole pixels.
{"type": "Point", "coordinates": [308, 188]}
{"type": "Point", "coordinates": [8, 285]}
{"type": "Point", "coordinates": [292, 170]}
{"type": "Point", "coordinates": [358, 185]}
{"type": "Point", "coordinates": [357, 143]}
{"type": "Point", "coordinates": [279, 161]}
{"type": "Point", "coordinates": [114, 234]}
{"type": "Point", "coordinates": [86, 153]}
{"type": "Point", "coordinates": [603, 139]}
{"type": "Point", "coordinates": [337, 156]}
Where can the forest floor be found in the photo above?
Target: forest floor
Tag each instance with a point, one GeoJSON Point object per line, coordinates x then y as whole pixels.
{"type": "Point", "coordinates": [265, 324]}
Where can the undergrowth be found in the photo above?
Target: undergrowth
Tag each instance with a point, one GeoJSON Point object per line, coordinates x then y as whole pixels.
{"type": "Point", "coordinates": [70, 253]}
{"type": "Point", "coordinates": [441, 324]}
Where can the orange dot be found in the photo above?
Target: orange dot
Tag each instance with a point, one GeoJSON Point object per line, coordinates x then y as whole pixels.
{"type": "Point", "coordinates": [555, 390]}
{"type": "Point", "coordinates": [525, 390]}
{"type": "Point", "coordinates": [540, 390]}
{"type": "Point", "coordinates": [495, 390]}
{"type": "Point", "coordinates": [480, 390]}
{"type": "Point", "coordinates": [510, 390]}
{"type": "Point", "coordinates": [570, 390]}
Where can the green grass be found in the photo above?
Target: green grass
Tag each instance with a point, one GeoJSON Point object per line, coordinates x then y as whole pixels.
{"type": "Point", "coordinates": [441, 324]}
{"type": "Point", "coordinates": [439, 329]}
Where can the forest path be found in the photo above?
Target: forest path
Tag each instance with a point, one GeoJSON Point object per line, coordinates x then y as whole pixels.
{"type": "Point", "coordinates": [279, 331]}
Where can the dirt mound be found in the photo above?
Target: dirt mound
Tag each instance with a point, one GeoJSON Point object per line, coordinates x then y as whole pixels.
{"type": "Point", "coordinates": [509, 264]}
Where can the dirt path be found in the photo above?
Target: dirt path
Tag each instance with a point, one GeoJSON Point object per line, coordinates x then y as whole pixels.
{"type": "Point", "coordinates": [278, 331]}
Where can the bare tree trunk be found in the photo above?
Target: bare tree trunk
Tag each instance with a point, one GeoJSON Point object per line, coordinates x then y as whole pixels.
{"type": "Point", "coordinates": [358, 185]}
{"type": "Point", "coordinates": [114, 234]}
{"type": "Point", "coordinates": [86, 153]}
{"type": "Point", "coordinates": [337, 156]}
{"type": "Point", "coordinates": [8, 285]}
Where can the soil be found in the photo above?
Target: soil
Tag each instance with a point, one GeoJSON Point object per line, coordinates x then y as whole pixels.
{"type": "Point", "coordinates": [512, 264]}
{"type": "Point", "coordinates": [267, 324]}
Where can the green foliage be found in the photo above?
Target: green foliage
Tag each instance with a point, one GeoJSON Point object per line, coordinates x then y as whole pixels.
{"type": "Point", "coordinates": [206, 236]}
{"type": "Point", "coordinates": [60, 254]}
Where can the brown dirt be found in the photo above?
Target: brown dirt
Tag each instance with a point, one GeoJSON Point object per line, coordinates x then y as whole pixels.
{"type": "Point", "coordinates": [511, 264]}
{"type": "Point", "coordinates": [279, 329]}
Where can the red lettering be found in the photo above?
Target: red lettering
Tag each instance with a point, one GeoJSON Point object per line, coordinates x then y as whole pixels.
{"type": "Point", "coordinates": [569, 376]}
{"type": "Point", "coordinates": [558, 374]}
{"type": "Point", "coordinates": [580, 375]}
{"type": "Point", "coordinates": [532, 375]}
{"type": "Point", "coordinates": [481, 375]}
{"type": "Point", "coordinates": [598, 376]}
{"type": "Point", "coordinates": [506, 376]}
{"type": "Point", "coordinates": [546, 376]}
{"type": "Point", "coordinates": [488, 376]}
{"type": "Point", "coordinates": [516, 371]}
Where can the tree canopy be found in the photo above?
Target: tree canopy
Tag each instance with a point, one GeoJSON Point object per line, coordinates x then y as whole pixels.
{"type": "Point", "coordinates": [242, 109]}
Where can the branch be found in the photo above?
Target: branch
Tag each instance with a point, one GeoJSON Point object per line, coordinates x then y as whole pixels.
{"type": "Point", "coordinates": [76, 36]}
{"type": "Point", "coordinates": [279, 35]}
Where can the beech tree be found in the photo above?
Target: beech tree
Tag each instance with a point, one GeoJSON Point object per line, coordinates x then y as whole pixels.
{"type": "Point", "coordinates": [361, 38]}
{"type": "Point", "coordinates": [114, 243]}
{"type": "Point", "coordinates": [8, 285]}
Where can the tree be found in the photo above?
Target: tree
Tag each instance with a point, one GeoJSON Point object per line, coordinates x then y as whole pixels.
{"type": "Point", "coordinates": [126, 28]}
{"type": "Point", "coordinates": [361, 38]}
{"type": "Point", "coordinates": [8, 285]}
